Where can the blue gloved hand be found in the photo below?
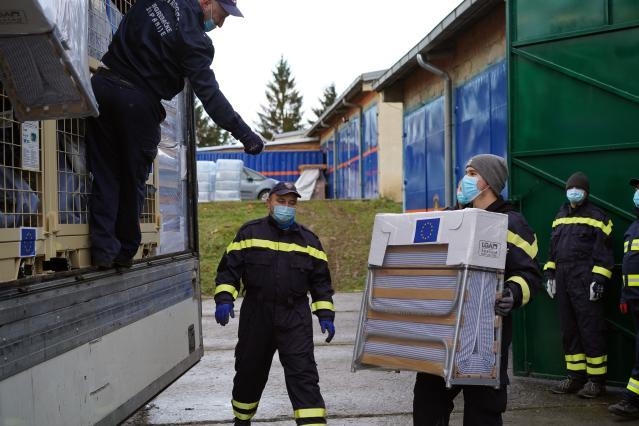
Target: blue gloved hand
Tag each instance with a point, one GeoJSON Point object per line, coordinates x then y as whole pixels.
{"type": "Point", "coordinates": [327, 325]}
{"type": "Point", "coordinates": [222, 313]}
{"type": "Point", "coordinates": [253, 143]}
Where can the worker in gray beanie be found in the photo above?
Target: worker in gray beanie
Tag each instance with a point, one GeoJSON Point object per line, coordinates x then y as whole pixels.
{"type": "Point", "coordinates": [484, 179]}
{"type": "Point", "coordinates": [492, 168]}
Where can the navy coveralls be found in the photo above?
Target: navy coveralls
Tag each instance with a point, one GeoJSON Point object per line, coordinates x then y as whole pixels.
{"type": "Point", "coordinates": [630, 294]}
{"type": "Point", "coordinates": [158, 45]}
{"type": "Point", "coordinates": [483, 405]}
{"type": "Point", "coordinates": [278, 268]}
{"type": "Point", "coordinates": [580, 253]}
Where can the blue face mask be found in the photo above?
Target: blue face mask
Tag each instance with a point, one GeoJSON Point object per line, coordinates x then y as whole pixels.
{"type": "Point", "coordinates": [636, 198]}
{"type": "Point", "coordinates": [575, 195]}
{"type": "Point", "coordinates": [461, 199]}
{"type": "Point", "coordinates": [209, 25]}
{"type": "Point", "coordinates": [284, 216]}
{"type": "Point", "coordinates": [469, 190]}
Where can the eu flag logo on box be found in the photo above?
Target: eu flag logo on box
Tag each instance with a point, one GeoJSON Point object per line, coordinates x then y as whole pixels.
{"type": "Point", "coordinates": [426, 230]}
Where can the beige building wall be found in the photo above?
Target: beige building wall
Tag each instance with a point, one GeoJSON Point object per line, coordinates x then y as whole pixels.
{"type": "Point", "coordinates": [473, 50]}
{"type": "Point", "coordinates": [390, 169]}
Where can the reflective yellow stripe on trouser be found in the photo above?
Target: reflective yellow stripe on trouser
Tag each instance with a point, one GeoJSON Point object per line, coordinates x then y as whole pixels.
{"type": "Point", "coordinates": [633, 386]}
{"type": "Point", "coordinates": [597, 366]}
{"type": "Point", "coordinates": [310, 416]}
{"type": "Point", "coordinates": [576, 362]}
{"type": "Point", "coordinates": [243, 410]}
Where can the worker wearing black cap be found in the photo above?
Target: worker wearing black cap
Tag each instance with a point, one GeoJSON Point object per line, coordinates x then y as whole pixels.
{"type": "Point", "coordinates": [279, 261]}
{"type": "Point", "coordinates": [579, 264]}
{"type": "Point", "coordinates": [629, 405]}
{"type": "Point", "coordinates": [481, 188]}
{"type": "Point", "coordinates": [158, 45]}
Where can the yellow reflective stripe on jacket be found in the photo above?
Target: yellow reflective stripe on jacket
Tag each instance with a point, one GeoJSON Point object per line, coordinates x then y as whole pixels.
{"type": "Point", "coordinates": [602, 271]}
{"type": "Point", "coordinates": [304, 413]}
{"type": "Point", "coordinates": [276, 246]}
{"type": "Point", "coordinates": [528, 248]}
{"type": "Point", "coordinates": [631, 245]}
{"type": "Point", "coordinates": [322, 305]}
{"type": "Point", "coordinates": [632, 280]}
{"type": "Point", "coordinates": [226, 287]}
{"type": "Point", "coordinates": [633, 386]}
{"type": "Point", "coordinates": [525, 289]}
{"type": "Point", "coordinates": [605, 227]}
{"type": "Point", "coordinates": [550, 265]}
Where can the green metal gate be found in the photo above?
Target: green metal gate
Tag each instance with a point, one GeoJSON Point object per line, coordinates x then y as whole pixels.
{"type": "Point", "coordinates": [574, 105]}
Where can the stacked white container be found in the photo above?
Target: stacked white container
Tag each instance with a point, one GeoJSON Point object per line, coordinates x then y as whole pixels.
{"type": "Point", "coordinates": [205, 181]}
{"type": "Point", "coordinates": [227, 180]}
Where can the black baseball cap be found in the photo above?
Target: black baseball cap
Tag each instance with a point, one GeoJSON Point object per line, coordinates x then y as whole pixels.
{"type": "Point", "coordinates": [283, 188]}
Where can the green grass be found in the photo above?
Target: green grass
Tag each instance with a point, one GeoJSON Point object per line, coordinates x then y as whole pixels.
{"type": "Point", "coordinates": [343, 226]}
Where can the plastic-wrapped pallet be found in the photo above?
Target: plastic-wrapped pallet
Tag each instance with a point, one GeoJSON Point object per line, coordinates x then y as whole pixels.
{"type": "Point", "coordinates": [430, 293]}
{"type": "Point", "coordinates": [43, 58]}
{"type": "Point", "coordinates": [227, 180]}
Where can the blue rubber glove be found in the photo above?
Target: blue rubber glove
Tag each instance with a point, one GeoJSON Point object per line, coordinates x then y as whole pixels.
{"type": "Point", "coordinates": [222, 313]}
{"type": "Point", "coordinates": [327, 325]}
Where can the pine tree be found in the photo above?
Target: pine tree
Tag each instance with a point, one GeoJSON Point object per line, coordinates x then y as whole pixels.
{"type": "Point", "coordinates": [284, 103]}
{"type": "Point", "coordinates": [206, 131]}
{"type": "Point", "coordinates": [327, 99]}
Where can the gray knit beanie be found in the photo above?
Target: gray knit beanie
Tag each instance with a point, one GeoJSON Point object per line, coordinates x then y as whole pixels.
{"type": "Point", "coordinates": [492, 168]}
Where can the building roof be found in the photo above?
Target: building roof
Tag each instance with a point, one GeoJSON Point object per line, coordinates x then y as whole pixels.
{"type": "Point", "coordinates": [437, 40]}
{"type": "Point", "coordinates": [287, 138]}
{"type": "Point", "coordinates": [356, 87]}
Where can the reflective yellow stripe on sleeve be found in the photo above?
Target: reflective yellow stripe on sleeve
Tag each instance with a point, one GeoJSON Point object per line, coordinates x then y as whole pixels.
{"type": "Point", "coordinates": [226, 287]}
{"type": "Point", "coordinates": [605, 227]}
{"type": "Point", "coordinates": [602, 271]}
{"type": "Point", "coordinates": [631, 245]}
{"type": "Point", "coordinates": [276, 246]}
{"type": "Point", "coordinates": [550, 265]}
{"type": "Point", "coordinates": [322, 305]}
{"type": "Point", "coordinates": [528, 248]}
{"type": "Point", "coordinates": [525, 289]}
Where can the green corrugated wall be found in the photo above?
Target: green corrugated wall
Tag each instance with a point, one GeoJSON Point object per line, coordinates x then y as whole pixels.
{"type": "Point", "coordinates": [573, 105]}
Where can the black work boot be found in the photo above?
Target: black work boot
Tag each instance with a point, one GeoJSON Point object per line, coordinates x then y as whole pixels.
{"type": "Point", "coordinates": [569, 385]}
{"type": "Point", "coordinates": [592, 390]}
{"type": "Point", "coordinates": [625, 408]}
{"type": "Point", "coordinates": [239, 422]}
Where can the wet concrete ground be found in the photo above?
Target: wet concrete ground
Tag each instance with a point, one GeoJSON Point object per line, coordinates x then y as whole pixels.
{"type": "Point", "coordinates": [367, 397]}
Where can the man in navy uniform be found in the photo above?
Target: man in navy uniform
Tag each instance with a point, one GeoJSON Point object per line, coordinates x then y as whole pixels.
{"type": "Point", "coordinates": [279, 261]}
{"type": "Point", "coordinates": [580, 262]}
{"type": "Point", "coordinates": [628, 407]}
{"type": "Point", "coordinates": [158, 45]}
